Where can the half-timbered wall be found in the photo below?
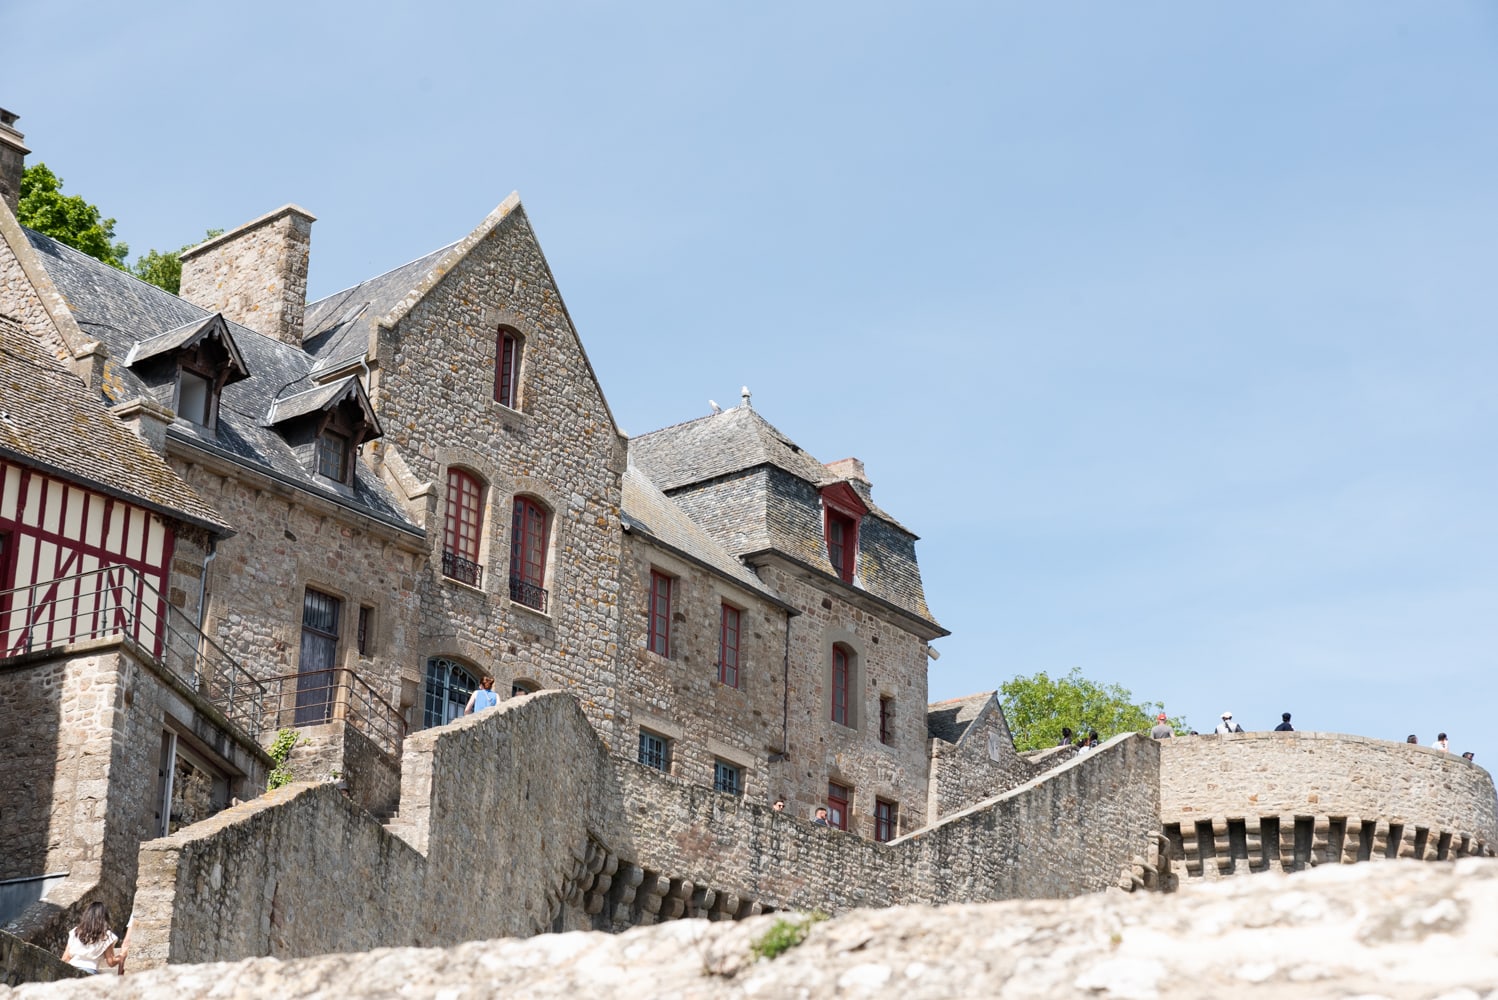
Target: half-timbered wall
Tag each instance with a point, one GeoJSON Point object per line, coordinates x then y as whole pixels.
{"type": "Point", "coordinates": [54, 537]}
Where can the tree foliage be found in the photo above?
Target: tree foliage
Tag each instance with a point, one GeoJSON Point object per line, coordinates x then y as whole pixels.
{"type": "Point", "coordinates": [1038, 707]}
{"type": "Point", "coordinates": [67, 218]}
{"type": "Point", "coordinates": [164, 269]}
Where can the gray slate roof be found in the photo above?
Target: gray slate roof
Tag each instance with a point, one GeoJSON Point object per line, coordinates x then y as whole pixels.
{"type": "Point", "coordinates": [49, 419]}
{"type": "Point", "coordinates": [121, 310]}
{"type": "Point", "coordinates": [753, 489]}
{"type": "Point", "coordinates": [338, 326]}
{"type": "Point", "coordinates": [649, 512]}
{"type": "Point", "coordinates": [950, 720]}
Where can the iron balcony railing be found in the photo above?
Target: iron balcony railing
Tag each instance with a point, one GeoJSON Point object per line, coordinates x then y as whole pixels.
{"type": "Point", "coordinates": [314, 697]}
{"type": "Point", "coordinates": [118, 602]}
{"type": "Point", "coordinates": [528, 594]}
{"type": "Point", "coordinates": [463, 570]}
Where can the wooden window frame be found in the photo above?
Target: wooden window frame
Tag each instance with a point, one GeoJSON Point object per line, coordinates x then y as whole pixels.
{"type": "Point", "coordinates": [723, 767]}
{"type": "Point", "coordinates": [530, 536]}
{"type": "Point", "coordinates": [463, 527]}
{"type": "Point", "coordinates": [659, 760]}
{"type": "Point", "coordinates": [326, 438]}
{"type": "Point", "coordinates": [886, 820]}
{"type": "Point", "coordinates": [839, 797]}
{"type": "Point", "coordinates": [658, 620]}
{"type": "Point", "coordinates": [507, 352]}
{"type": "Point", "coordinates": [730, 623]}
{"type": "Point", "coordinates": [842, 671]}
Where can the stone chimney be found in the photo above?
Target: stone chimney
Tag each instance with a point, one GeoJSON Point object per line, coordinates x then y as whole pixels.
{"type": "Point", "coordinates": [12, 160]}
{"type": "Point", "coordinates": [255, 275]}
{"type": "Point", "coordinates": [848, 468]}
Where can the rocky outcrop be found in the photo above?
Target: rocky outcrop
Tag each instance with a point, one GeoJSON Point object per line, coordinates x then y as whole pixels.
{"type": "Point", "coordinates": [1419, 932]}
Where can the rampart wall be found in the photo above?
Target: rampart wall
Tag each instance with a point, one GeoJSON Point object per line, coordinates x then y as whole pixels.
{"type": "Point", "coordinates": [517, 820]}
{"type": "Point", "coordinates": [1284, 801]}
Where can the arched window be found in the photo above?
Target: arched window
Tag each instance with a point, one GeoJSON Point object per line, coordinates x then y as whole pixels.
{"type": "Point", "coordinates": [522, 685]}
{"type": "Point", "coordinates": [449, 683]}
{"type": "Point", "coordinates": [464, 528]}
{"type": "Point", "coordinates": [528, 531]}
{"type": "Point", "coordinates": [507, 368]}
{"type": "Point", "coordinates": [842, 673]}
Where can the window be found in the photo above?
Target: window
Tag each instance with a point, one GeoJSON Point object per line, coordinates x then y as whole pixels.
{"type": "Point", "coordinates": [333, 455]}
{"type": "Point", "coordinates": [521, 687]}
{"type": "Point", "coordinates": [842, 532]}
{"type": "Point", "coordinates": [841, 668]}
{"type": "Point", "coordinates": [884, 820]}
{"type": "Point", "coordinates": [507, 369]}
{"type": "Point", "coordinates": [528, 554]}
{"type": "Point", "coordinates": [727, 777]}
{"type": "Point", "coordinates": [449, 683]}
{"type": "Point", "coordinates": [660, 613]}
{"type": "Point", "coordinates": [728, 647]}
{"type": "Point", "coordinates": [366, 630]}
{"type": "Point", "coordinates": [837, 804]}
{"type": "Point", "coordinates": [887, 721]}
{"type": "Point", "coordinates": [464, 527]}
{"type": "Point", "coordinates": [655, 750]}
{"type": "Point", "coordinates": [317, 662]}
{"type": "Point", "coordinates": [194, 398]}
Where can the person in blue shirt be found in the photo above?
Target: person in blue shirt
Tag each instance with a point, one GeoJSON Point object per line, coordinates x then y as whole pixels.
{"type": "Point", "coordinates": [482, 698]}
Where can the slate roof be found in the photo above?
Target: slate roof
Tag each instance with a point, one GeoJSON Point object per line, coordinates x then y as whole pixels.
{"type": "Point", "coordinates": [48, 418]}
{"type": "Point", "coordinates": [121, 310]}
{"type": "Point", "coordinates": [649, 512]}
{"type": "Point", "coordinates": [338, 326]}
{"type": "Point", "coordinates": [183, 336]}
{"type": "Point", "coordinates": [753, 489]}
{"type": "Point", "coordinates": [949, 720]}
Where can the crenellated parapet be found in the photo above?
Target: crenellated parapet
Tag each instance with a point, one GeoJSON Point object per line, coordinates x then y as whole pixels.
{"type": "Point", "coordinates": [1270, 801]}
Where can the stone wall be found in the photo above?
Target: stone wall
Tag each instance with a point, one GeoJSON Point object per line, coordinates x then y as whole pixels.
{"type": "Point", "coordinates": [256, 275]}
{"type": "Point", "coordinates": [980, 765]}
{"type": "Point", "coordinates": [1272, 801]}
{"type": "Point", "coordinates": [517, 820]}
{"type": "Point", "coordinates": [80, 780]}
{"type": "Point", "coordinates": [21, 962]}
{"type": "Point", "coordinates": [337, 751]}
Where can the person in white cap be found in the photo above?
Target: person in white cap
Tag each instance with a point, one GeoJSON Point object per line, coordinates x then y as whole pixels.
{"type": "Point", "coordinates": [1227, 725]}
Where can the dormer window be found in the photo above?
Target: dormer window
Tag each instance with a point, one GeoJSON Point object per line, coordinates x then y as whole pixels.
{"type": "Point", "coordinates": [188, 367]}
{"type": "Point", "coordinates": [332, 455]}
{"type": "Point", "coordinates": [843, 511]}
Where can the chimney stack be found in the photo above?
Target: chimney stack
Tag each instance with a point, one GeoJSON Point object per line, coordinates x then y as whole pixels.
{"type": "Point", "coordinates": [849, 468]}
{"type": "Point", "coordinates": [255, 275]}
{"type": "Point", "coordinates": [12, 160]}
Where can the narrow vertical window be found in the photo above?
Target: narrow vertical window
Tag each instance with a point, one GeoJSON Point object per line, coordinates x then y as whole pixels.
{"type": "Point", "coordinates": [840, 669]}
{"type": "Point", "coordinates": [884, 820]}
{"type": "Point", "coordinates": [838, 797]}
{"type": "Point", "coordinates": [506, 367]}
{"type": "Point", "coordinates": [317, 663]}
{"type": "Point", "coordinates": [528, 554]}
{"type": "Point", "coordinates": [332, 456]}
{"type": "Point", "coordinates": [660, 613]}
{"type": "Point", "coordinates": [842, 543]}
{"type": "Point", "coordinates": [887, 720]}
{"type": "Point", "coordinates": [366, 630]}
{"type": "Point", "coordinates": [728, 647]}
{"type": "Point", "coordinates": [460, 544]}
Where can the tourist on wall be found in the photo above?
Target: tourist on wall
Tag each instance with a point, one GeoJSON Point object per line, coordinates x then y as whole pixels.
{"type": "Point", "coordinates": [1227, 725]}
{"type": "Point", "coordinates": [821, 819]}
{"type": "Point", "coordinates": [1162, 730]}
{"type": "Point", "coordinates": [1441, 744]}
{"type": "Point", "coordinates": [1468, 755]}
{"type": "Point", "coordinates": [91, 940]}
{"type": "Point", "coordinates": [1065, 740]}
{"type": "Point", "coordinates": [779, 805]}
{"type": "Point", "coordinates": [482, 698]}
{"type": "Point", "coordinates": [1412, 738]}
{"type": "Point", "coordinates": [1284, 726]}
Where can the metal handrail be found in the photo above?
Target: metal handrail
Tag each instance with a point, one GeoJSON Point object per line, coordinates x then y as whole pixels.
{"type": "Point", "coordinates": [315, 697]}
{"type": "Point", "coordinates": [119, 602]}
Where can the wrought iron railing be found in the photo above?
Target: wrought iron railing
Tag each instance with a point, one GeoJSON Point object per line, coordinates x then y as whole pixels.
{"type": "Point", "coordinates": [313, 697]}
{"type": "Point", "coordinates": [528, 594]}
{"type": "Point", "coordinates": [463, 570]}
{"type": "Point", "coordinates": [118, 602]}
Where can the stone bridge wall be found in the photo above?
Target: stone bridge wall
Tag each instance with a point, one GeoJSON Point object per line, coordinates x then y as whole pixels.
{"type": "Point", "coordinates": [1285, 801]}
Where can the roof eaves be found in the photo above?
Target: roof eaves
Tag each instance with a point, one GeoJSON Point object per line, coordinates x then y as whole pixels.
{"type": "Point", "coordinates": [926, 628]}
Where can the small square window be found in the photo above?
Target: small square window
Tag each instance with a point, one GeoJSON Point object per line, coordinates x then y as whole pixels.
{"type": "Point", "coordinates": [332, 456]}
{"type": "Point", "coordinates": [728, 778]}
{"type": "Point", "coordinates": [655, 750]}
{"type": "Point", "coordinates": [194, 397]}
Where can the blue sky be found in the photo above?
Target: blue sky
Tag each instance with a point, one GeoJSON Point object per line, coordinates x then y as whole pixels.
{"type": "Point", "coordinates": [1168, 327]}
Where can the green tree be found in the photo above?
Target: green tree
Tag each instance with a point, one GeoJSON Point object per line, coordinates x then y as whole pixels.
{"type": "Point", "coordinates": [164, 269]}
{"type": "Point", "coordinates": [67, 218]}
{"type": "Point", "coordinates": [1038, 707]}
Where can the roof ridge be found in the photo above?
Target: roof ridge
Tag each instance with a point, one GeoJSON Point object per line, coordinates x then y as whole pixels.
{"type": "Point", "coordinates": [389, 270]}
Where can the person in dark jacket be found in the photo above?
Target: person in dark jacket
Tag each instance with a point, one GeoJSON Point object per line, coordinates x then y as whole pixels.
{"type": "Point", "coordinates": [1284, 726]}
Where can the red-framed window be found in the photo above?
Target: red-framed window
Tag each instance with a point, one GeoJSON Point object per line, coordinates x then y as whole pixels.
{"type": "Point", "coordinates": [841, 669]}
{"type": "Point", "coordinates": [528, 553]}
{"type": "Point", "coordinates": [728, 646]}
{"type": "Point", "coordinates": [464, 526]}
{"type": "Point", "coordinates": [887, 720]}
{"type": "Point", "coordinates": [842, 543]}
{"type": "Point", "coordinates": [660, 613]}
{"type": "Point", "coordinates": [506, 368]}
{"type": "Point", "coordinates": [838, 797]}
{"type": "Point", "coordinates": [885, 816]}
